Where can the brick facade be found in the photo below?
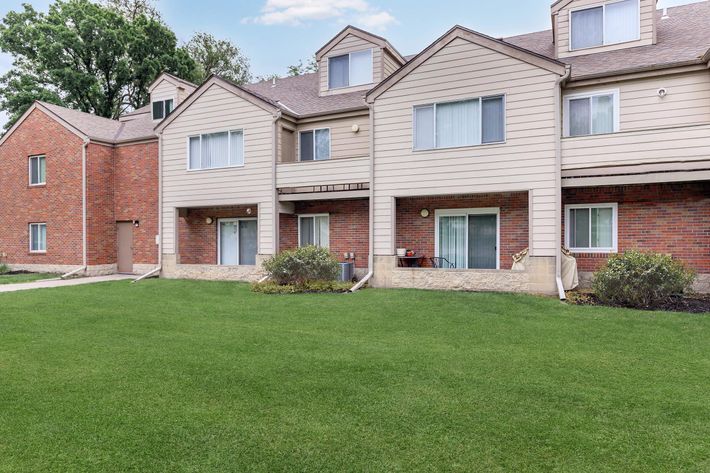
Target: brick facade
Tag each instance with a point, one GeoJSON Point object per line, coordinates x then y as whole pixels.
{"type": "Point", "coordinates": [666, 218]}
{"type": "Point", "coordinates": [417, 233]}
{"type": "Point", "coordinates": [197, 240]}
{"type": "Point", "coordinates": [348, 230]}
{"type": "Point", "coordinates": [122, 185]}
{"type": "Point", "coordinates": [58, 203]}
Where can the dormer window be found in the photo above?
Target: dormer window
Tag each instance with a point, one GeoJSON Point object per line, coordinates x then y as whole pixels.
{"type": "Point", "coordinates": [162, 108]}
{"type": "Point", "coordinates": [350, 70]}
{"type": "Point", "coordinates": [610, 23]}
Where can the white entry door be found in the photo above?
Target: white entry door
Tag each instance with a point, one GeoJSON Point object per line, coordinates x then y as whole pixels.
{"type": "Point", "coordinates": [228, 242]}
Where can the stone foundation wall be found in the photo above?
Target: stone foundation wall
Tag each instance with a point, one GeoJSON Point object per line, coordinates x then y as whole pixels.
{"type": "Point", "coordinates": [538, 277]}
{"type": "Point", "coordinates": [210, 272]}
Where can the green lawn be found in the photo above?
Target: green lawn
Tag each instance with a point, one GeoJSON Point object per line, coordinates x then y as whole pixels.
{"type": "Point", "coordinates": [197, 376]}
{"type": "Point", "coordinates": [25, 277]}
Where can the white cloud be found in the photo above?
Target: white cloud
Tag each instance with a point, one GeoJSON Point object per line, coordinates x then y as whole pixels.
{"type": "Point", "coordinates": [298, 12]}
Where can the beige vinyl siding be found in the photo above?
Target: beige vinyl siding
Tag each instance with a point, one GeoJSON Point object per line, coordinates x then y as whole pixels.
{"type": "Point", "coordinates": [526, 162]}
{"type": "Point", "coordinates": [287, 145]}
{"type": "Point", "coordinates": [343, 142]}
{"type": "Point", "coordinates": [351, 44]}
{"type": "Point", "coordinates": [164, 90]}
{"type": "Point", "coordinates": [651, 128]}
{"type": "Point", "coordinates": [319, 173]}
{"type": "Point", "coordinates": [648, 8]}
{"type": "Point", "coordinates": [390, 64]}
{"type": "Point", "coordinates": [219, 110]}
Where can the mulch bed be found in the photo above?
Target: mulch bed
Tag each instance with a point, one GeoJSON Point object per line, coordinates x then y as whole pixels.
{"type": "Point", "coordinates": [695, 304]}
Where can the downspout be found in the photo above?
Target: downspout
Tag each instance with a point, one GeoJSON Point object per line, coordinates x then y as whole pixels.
{"type": "Point", "coordinates": [275, 193]}
{"type": "Point", "coordinates": [558, 180]}
{"type": "Point", "coordinates": [85, 258]}
{"type": "Point", "coordinates": [159, 268]}
{"type": "Point", "coordinates": [371, 216]}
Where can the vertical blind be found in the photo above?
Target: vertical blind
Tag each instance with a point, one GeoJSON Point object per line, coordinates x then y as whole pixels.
{"type": "Point", "coordinates": [591, 227]}
{"type": "Point", "coordinates": [314, 230]}
{"type": "Point", "coordinates": [452, 239]}
{"type": "Point", "coordinates": [338, 71]}
{"type": "Point", "coordinates": [315, 145]}
{"type": "Point", "coordinates": [216, 150]}
{"type": "Point", "coordinates": [38, 169]}
{"type": "Point", "coordinates": [350, 69]}
{"type": "Point", "coordinates": [591, 115]}
{"type": "Point", "coordinates": [611, 23]}
{"type": "Point", "coordinates": [465, 123]}
{"type": "Point", "coordinates": [38, 237]}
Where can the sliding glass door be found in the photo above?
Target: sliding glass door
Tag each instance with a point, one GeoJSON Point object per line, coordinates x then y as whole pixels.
{"type": "Point", "coordinates": [468, 238]}
{"type": "Point", "coordinates": [237, 241]}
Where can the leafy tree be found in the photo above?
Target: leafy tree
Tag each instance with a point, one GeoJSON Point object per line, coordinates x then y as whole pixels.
{"type": "Point", "coordinates": [85, 56]}
{"type": "Point", "coordinates": [267, 77]}
{"type": "Point", "coordinates": [299, 69]}
{"type": "Point", "coordinates": [132, 9]}
{"type": "Point", "coordinates": [218, 56]}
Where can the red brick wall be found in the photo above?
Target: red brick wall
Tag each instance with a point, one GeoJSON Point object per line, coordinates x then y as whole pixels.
{"type": "Point", "coordinates": [58, 203]}
{"type": "Point", "coordinates": [100, 215]}
{"type": "Point", "coordinates": [136, 196]}
{"type": "Point", "coordinates": [417, 233]}
{"type": "Point", "coordinates": [666, 218]}
{"type": "Point", "coordinates": [197, 241]}
{"type": "Point", "coordinates": [349, 227]}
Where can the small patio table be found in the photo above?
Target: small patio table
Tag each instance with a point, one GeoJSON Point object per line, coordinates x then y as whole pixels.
{"type": "Point", "coordinates": [410, 261]}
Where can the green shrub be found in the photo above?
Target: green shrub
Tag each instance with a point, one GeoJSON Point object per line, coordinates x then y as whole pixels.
{"type": "Point", "coordinates": [271, 287]}
{"type": "Point", "coordinates": [643, 280]}
{"type": "Point", "coordinates": [4, 269]}
{"type": "Point", "coordinates": [309, 263]}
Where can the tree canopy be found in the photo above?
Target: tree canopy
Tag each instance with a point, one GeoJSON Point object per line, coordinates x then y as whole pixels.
{"type": "Point", "coordinates": [218, 56]}
{"type": "Point", "coordinates": [86, 56]}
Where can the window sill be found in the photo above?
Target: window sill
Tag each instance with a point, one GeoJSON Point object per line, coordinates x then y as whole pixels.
{"type": "Point", "coordinates": [239, 166]}
{"type": "Point", "coordinates": [592, 251]}
{"type": "Point", "coordinates": [449, 148]}
{"type": "Point", "coordinates": [36, 253]}
{"type": "Point", "coordinates": [35, 186]}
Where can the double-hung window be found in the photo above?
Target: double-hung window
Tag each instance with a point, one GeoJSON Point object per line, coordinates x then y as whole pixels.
{"type": "Point", "coordinates": [216, 150]}
{"type": "Point", "coordinates": [591, 228]}
{"type": "Point", "coordinates": [591, 114]}
{"type": "Point", "coordinates": [314, 230]}
{"type": "Point", "coordinates": [38, 170]}
{"type": "Point", "coordinates": [38, 237]}
{"type": "Point", "coordinates": [350, 70]}
{"type": "Point", "coordinates": [162, 108]}
{"type": "Point", "coordinates": [314, 145]}
{"type": "Point", "coordinates": [464, 123]}
{"type": "Point", "coordinates": [610, 23]}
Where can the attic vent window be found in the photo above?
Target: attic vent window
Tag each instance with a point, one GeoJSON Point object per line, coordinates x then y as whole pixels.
{"type": "Point", "coordinates": [162, 108]}
{"type": "Point", "coordinates": [610, 23]}
{"type": "Point", "coordinates": [350, 69]}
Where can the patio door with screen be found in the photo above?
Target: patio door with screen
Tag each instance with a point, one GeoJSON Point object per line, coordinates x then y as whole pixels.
{"type": "Point", "coordinates": [468, 238]}
{"type": "Point", "coordinates": [237, 241]}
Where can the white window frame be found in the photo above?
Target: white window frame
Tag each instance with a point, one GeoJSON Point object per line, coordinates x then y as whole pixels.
{"type": "Point", "coordinates": [239, 236]}
{"type": "Point", "coordinates": [615, 227]}
{"type": "Point", "coordinates": [165, 99]}
{"type": "Point", "coordinates": [604, 43]}
{"type": "Point", "coordinates": [330, 144]}
{"type": "Point", "coordinates": [349, 55]}
{"type": "Point", "coordinates": [583, 95]}
{"type": "Point", "coordinates": [313, 215]}
{"type": "Point", "coordinates": [29, 239]}
{"type": "Point", "coordinates": [438, 213]}
{"type": "Point", "coordinates": [480, 121]}
{"type": "Point", "coordinates": [29, 169]}
{"type": "Point", "coordinates": [229, 149]}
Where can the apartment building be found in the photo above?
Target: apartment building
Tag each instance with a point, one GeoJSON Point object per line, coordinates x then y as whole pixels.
{"type": "Point", "coordinates": [593, 135]}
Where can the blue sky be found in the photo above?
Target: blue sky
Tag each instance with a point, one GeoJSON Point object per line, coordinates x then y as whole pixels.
{"type": "Point", "coordinates": [276, 33]}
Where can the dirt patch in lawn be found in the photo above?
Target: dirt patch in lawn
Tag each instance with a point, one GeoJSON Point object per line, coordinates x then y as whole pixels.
{"type": "Point", "coordinates": [695, 304]}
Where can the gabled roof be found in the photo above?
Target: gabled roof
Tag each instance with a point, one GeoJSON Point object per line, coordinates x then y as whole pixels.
{"type": "Point", "coordinates": [174, 80]}
{"type": "Point", "coordinates": [238, 90]}
{"type": "Point", "coordinates": [457, 31]}
{"type": "Point", "coordinates": [366, 35]}
{"type": "Point", "coordinates": [682, 39]}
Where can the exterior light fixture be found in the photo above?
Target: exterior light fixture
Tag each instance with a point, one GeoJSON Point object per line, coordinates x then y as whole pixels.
{"type": "Point", "coordinates": [355, 128]}
{"type": "Point", "coordinates": [136, 223]}
{"type": "Point", "coordinates": [249, 211]}
{"type": "Point", "coordinates": [424, 213]}
{"type": "Point", "coordinates": [209, 220]}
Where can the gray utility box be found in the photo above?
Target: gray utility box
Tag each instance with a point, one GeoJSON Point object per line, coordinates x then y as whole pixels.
{"type": "Point", "coordinates": [347, 271]}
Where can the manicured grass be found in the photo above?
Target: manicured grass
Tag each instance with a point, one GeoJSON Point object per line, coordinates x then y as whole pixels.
{"type": "Point", "coordinates": [25, 277]}
{"type": "Point", "coordinates": [199, 376]}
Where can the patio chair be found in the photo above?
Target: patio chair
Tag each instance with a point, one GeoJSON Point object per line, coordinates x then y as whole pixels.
{"type": "Point", "coordinates": [441, 263]}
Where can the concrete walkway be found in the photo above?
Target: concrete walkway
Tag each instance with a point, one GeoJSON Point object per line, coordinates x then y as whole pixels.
{"type": "Point", "coordinates": [47, 283]}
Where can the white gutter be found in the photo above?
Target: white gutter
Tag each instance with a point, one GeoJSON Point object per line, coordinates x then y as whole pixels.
{"type": "Point", "coordinates": [275, 195]}
{"type": "Point", "coordinates": [72, 273]}
{"type": "Point", "coordinates": [160, 200]}
{"type": "Point", "coordinates": [150, 273]}
{"type": "Point", "coordinates": [84, 256]}
{"type": "Point", "coordinates": [558, 181]}
{"type": "Point", "coordinates": [361, 282]}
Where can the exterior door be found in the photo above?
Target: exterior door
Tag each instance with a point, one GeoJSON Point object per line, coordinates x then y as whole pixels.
{"type": "Point", "coordinates": [483, 241]}
{"type": "Point", "coordinates": [247, 242]}
{"type": "Point", "coordinates": [228, 242]}
{"type": "Point", "coordinates": [125, 247]}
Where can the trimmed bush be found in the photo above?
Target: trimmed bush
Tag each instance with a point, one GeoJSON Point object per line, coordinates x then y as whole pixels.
{"type": "Point", "coordinates": [271, 287]}
{"type": "Point", "coordinates": [642, 280]}
{"type": "Point", "coordinates": [302, 265]}
{"type": "Point", "coordinates": [4, 269]}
